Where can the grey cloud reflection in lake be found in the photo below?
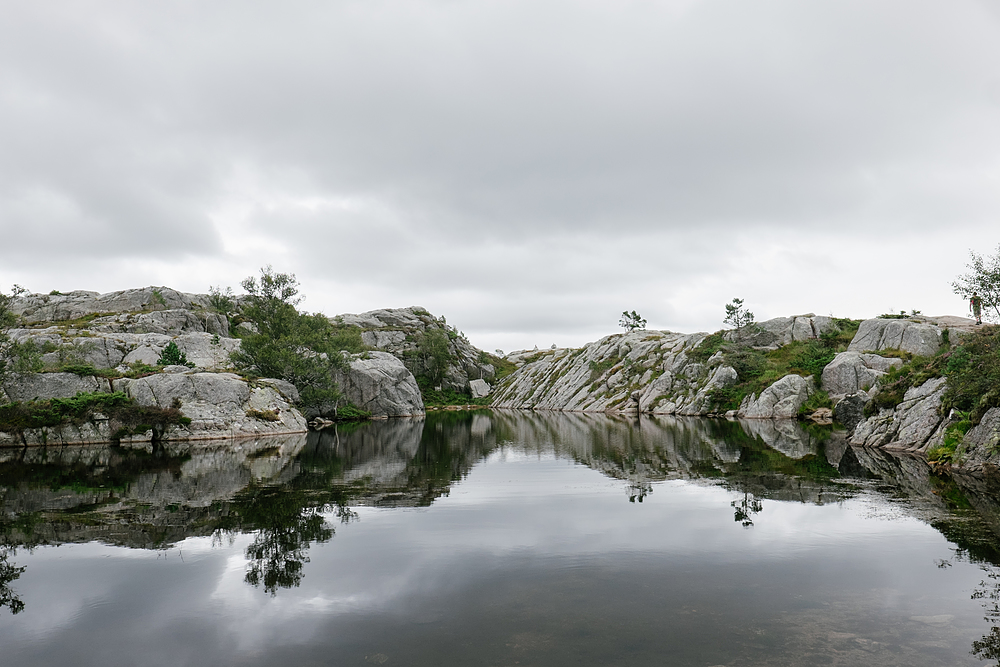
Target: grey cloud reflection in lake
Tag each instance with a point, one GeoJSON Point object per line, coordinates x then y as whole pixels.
{"type": "Point", "coordinates": [485, 538]}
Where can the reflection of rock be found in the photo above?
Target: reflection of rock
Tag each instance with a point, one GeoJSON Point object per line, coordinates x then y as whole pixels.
{"type": "Point", "coordinates": [784, 435]}
{"type": "Point", "coordinates": [913, 425]}
{"type": "Point", "coordinates": [120, 497]}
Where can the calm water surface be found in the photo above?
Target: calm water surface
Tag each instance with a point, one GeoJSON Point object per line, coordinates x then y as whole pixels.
{"type": "Point", "coordinates": [497, 539]}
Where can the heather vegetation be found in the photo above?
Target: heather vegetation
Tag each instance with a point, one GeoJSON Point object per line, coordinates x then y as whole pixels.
{"type": "Point", "coordinates": [758, 369]}
{"type": "Point", "coordinates": [123, 413]}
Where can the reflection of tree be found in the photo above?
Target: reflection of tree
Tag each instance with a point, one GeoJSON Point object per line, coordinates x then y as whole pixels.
{"type": "Point", "coordinates": [746, 508]}
{"type": "Point", "coordinates": [988, 647]}
{"type": "Point", "coordinates": [287, 521]}
{"type": "Point", "coordinates": [8, 573]}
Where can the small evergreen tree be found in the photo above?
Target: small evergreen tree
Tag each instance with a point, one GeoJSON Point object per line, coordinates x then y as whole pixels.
{"type": "Point", "coordinates": [631, 321]}
{"type": "Point", "coordinates": [172, 356]}
{"type": "Point", "coordinates": [737, 316]}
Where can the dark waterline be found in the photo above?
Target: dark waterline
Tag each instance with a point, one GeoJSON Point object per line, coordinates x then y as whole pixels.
{"type": "Point", "coordinates": [497, 539]}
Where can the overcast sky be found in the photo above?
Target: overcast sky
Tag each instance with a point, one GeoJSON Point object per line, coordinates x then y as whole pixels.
{"type": "Point", "coordinates": [528, 169]}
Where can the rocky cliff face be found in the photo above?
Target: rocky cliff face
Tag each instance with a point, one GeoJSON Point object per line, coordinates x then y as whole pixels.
{"type": "Point", "coordinates": [651, 372]}
{"type": "Point", "coordinates": [399, 331]}
{"type": "Point", "coordinates": [119, 330]}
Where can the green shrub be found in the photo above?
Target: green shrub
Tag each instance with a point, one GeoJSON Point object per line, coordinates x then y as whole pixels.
{"type": "Point", "coordinates": [707, 347]}
{"type": "Point", "coordinates": [893, 386]}
{"type": "Point", "coordinates": [953, 435]}
{"type": "Point", "coordinates": [351, 412]}
{"type": "Point", "coordinates": [973, 371]}
{"type": "Point", "coordinates": [128, 416]}
{"type": "Point", "coordinates": [599, 368]}
{"type": "Point", "coordinates": [817, 400]}
{"type": "Point", "coordinates": [172, 356]}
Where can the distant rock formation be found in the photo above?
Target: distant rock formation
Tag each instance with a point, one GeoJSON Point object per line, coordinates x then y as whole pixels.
{"type": "Point", "coordinates": [117, 330]}
{"type": "Point", "coordinates": [399, 331]}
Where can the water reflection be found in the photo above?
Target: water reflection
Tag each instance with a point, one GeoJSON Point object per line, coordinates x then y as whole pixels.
{"type": "Point", "coordinates": [289, 494]}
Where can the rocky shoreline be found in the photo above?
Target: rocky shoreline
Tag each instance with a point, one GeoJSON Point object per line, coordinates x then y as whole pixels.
{"type": "Point", "coordinates": [94, 342]}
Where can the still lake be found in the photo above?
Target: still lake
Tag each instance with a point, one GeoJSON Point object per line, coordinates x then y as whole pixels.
{"type": "Point", "coordinates": [497, 538]}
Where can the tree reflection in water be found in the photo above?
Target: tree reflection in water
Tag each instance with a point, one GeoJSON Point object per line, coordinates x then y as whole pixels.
{"type": "Point", "coordinates": [9, 573]}
{"type": "Point", "coordinates": [286, 522]}
{"type": "Point", "coordinates": [746, 508]}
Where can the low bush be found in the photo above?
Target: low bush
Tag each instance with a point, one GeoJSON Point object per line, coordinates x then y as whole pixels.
{"type": "Point", "coordinates": [953, 435]}
{"type": "Point", "coordinates": [973, 371]}
{"type": "Point", "coordinates": [125, 414]}
{"type": "Point", "coordinates": [264, 415]}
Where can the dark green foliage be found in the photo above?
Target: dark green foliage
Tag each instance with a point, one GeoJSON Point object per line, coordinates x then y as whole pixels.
{"type": "Point", "coordinates": [819, 399]}
{"type": "Point", "coordinates": [945, 452]}
{"type": "Point", "coordinates": [893, 386]}
{"type": "Point", "coordinates": [136, 370]}
{"type": "Point", "coordinates": [446, 396]}
{"type": "Point", "coordinates": [599, 368]}
{"type": "Point", "coordinates": [286, 344]}
{"type": "Point", "coordinates": [812, 358]}
{"type": "Point", "coordinates": [8, 574]}
{"type": "Point", "coordinates": [747, 362]}
{"type": "Point", "coordinates": [172, 356]}
{"type": "Point", "coordinates": [737, 316]}
{"type": "Point", "coordinates": [501, 366]}
{"type": "Point", "coordinates": [350, 412]}
{"type": "Point", "coordinates": [707, 347]}
{"type": "Point", "coordinates": [119, 408]}
{"type": "Point", "coordinates": [347, 339]}
{"type": "Point", "coordinates": [9, 349]}
{"type": "Point", "coordinates": [434, 353]}
{"type": "Point", "coordinates": [973, 371]}
{"type": "Point", "coordinates": [757, 369]}
{"type": "Point", "coordinates": [839, 336]}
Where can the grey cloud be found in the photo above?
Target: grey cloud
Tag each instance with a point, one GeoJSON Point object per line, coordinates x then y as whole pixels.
{"type": "Point", "coordinates": [528, 154]}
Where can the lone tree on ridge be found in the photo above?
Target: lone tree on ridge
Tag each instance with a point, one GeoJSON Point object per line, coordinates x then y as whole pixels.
{"type": "Point", "coordinates": [983, 278]}
{"type": "Point", "coordinates": [737, 316]}
{"type": "Point", "coordinates": [631, 321]}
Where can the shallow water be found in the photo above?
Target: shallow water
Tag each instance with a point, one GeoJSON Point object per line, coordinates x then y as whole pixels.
{"type": "Point", "coordinates": [497, 539]}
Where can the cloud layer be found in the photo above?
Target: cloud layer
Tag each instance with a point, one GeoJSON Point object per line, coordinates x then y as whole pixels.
{"type": "Point", "coordinates": [528, 169]}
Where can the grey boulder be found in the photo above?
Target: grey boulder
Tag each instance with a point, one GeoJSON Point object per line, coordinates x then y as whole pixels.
{"type": "Point", "coordinates": [883, 334]}
{"type": "Point", "coordinates": [379, 383]}
{"type": "Point", "coordinates": [781, 400]}
{"type": "Point", "coordinates": [850, 372]}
